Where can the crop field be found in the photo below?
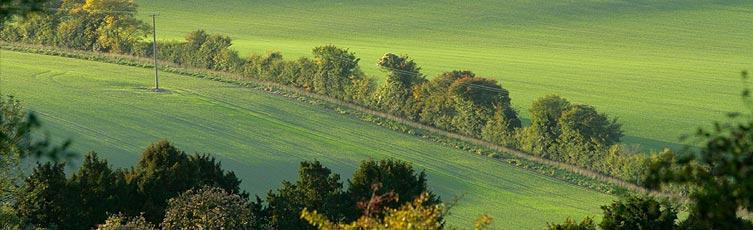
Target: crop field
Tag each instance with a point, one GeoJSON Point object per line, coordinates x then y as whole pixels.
{"type": "Point", "coordinates": [661, 67]}
{"type": "Point", "coordinates": [109, 109]}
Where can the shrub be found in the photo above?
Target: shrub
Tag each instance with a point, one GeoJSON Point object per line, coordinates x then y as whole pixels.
{"type": "Point", "coordinates": [637, 212]}
{"type": "Point", "coordinates": [208, 208]}
{"type": "Point", "coordinates": [122, 222]}
{"type": "Point", "coordinates": [585, 224]}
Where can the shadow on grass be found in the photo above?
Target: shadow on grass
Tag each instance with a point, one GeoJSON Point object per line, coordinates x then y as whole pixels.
{"type": "Point", "coordinates": [651, 145]}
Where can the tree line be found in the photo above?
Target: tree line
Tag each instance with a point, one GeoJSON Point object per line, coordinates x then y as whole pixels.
{"type": "Point", "coordinates": [718, 174]}
{"type": "Point", "coordinates": [456, 101]}
{"type": "Point", "coordinates": [716, 177]}
{"type": "Point", "coordinates": [171, 189]}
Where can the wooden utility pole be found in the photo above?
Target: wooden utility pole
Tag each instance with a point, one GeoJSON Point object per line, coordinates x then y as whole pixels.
{"type": "Point", "coordinates": [154, 50]}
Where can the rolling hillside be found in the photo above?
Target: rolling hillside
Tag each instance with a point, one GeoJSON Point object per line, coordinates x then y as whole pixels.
{"type": "Point", "coordinates": [661, 67]}
{"type": "Point", "coordinates": [109, 109]}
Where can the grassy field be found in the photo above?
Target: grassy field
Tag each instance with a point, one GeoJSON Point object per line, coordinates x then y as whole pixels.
{"type": "Point", "coordinates": [662, 67]}
{"type": "Point", "coordinates": [108, 108]}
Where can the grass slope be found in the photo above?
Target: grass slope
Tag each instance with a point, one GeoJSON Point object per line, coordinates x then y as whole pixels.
{"type": "Point", "coordinates": [662, 67]}
{"type": "Point", "coordinates": [108, 108]}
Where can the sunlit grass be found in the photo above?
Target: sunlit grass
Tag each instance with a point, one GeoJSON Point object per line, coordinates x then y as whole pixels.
{"type": "Point", "coordinates": [110, 109]}
{"type": "Point", "coordinates": [662, 67]}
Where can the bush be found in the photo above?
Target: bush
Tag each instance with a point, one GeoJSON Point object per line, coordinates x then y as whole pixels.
{"type": "Point", "coordinates": [122, 222]}
{"type": "Point", "coordinates": [638, 213]}
{"type": "Point", "coordinates": [208, 208]}
{"type": "Point", "coordinates": [585, 224]}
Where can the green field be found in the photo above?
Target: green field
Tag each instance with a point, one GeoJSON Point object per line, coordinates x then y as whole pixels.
{"type": "Point", "coordinates": [109, 108]}
{"type": "Point", "coordinates": [662, 67]}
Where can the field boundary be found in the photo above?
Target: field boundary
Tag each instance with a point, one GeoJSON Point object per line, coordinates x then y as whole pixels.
{"type": "Point", "coordinates": [270, 87]}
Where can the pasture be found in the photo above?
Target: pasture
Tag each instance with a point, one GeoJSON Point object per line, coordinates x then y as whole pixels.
{"type": "Point", "coordinates": [109, 109]}
{"type": "Point", "coordinates": [661, 67]}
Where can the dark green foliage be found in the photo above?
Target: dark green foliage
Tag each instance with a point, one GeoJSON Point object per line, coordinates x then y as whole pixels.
{"type": "Point", "coordinates": [10, 8]}
{"type": "Point", "coordinates": [164, 172]}
{"type": "Point", "coordinates": [200, 50]}
{"type": "Point", "coordinates": [208, 172]}
{"type": "Point", "coordinates": [636, 212]}
{"type": "Point", "coordinates": [500, 128]}
{"type": "Point", "coordinates": [402, 70]}
{"type": "Point", "coordinates": [207, 51]}
{"type": "Point", "coordinates": [361, 90]}
{"type": "Point", "coordinates": [333, 72]}
{"type": "Point", "coordinates": [208, 208]}
{"type": "Point", "coordinates": [337, 68]}
{"type": "Point", "coordinates": [583, 123]}
{"type": "Point", "coordinates": [13, 131]}
{"type": "Point", "coordinates": [300, 72]}
{"type": "Point", "coordinates": [622, 162]}
{"type": "Point", "coordinates": [579, 135]}
{"type": "Point", "coordinates": [317, 188]}
{"type": "Point", "coordinates": [44, 200]}
{"type": "Point", "coordinates": [585, 135]}
{"type": "Point", "coordinates": [585, 224]}
{"type": "Point", "coordinates": [268, 68]}
{"type": "Point", "coordinates": [455, 101]}
{"type": "Point", "coordinates": [437, 107]}
{"type": "Point", "coordinates": [16, 145]}
{"type": "Point", "coordinates": [476, 101]}
{"type": "Point", "coordinates": [392, 176]}
{"type": "Point", "coordinates": [469, 119]}
{"type": "Point", "coordinates": [633, 212]}
{"type": "Point", "coordinates": [97, 191]}
{"type": "Point", "coordinates": [544, 131]}
{"type": "Point", "coordinates": [396, 95]}
{"type": "Point", "coordinates": [482, 92]}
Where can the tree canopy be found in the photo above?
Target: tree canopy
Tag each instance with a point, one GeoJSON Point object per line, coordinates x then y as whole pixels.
{"type": "Point", "coordinates": [394, 176]}
{"type": "Point", "coordinates": [208, 208]}
{"type": "Point", "coordinates": [317, 188]}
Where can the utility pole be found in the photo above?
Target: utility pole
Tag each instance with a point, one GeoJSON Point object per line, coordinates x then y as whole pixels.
{"type": "Point", "coordinates": [154, 50]}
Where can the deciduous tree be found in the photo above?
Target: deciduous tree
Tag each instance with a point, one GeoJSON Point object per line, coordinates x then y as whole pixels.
{"type": "Point", "coordinates": [417, 214]}
{"type": "Point", "coordinates": [436, 105]}
{"type": "Point", "coordinates": [403, 76]}
{"type": "Point", "coordinates": [337, 69]}
{"type": "Point", "coordinates": [96, 191]}
{"type": "Point", "coordinates": [122, 222]}
{"type": "Point", "coordinates": [317, 188]}
{"type": "Point", "coordinates": [164, 172]}
{"type": "Point", "coordinates": [44, 200]}
{"type": "Point", "coordinates": [544, 130]}
{"type": "Point", "coordinates": [638, 212]}
{"type": "Point", "coordinates": [208, 208]}
{"type": "Point", "coordinates": [393, 176]}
